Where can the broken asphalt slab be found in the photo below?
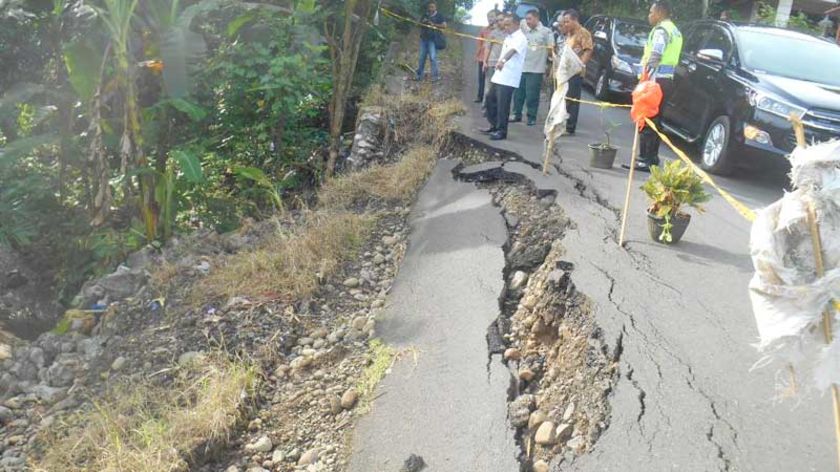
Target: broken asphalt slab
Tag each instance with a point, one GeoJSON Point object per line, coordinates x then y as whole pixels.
{"type": "Point", "coordinates": [443, 400]}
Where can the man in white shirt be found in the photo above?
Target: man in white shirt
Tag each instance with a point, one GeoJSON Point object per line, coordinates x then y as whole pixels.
{"type": "Point", "coordinates": [506, 79]}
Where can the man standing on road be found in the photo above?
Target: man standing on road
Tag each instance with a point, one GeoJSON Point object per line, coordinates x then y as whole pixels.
{"type": "Point", "coordinates": [428, 46]}
{"type": "Point", "coordinates": [540, 42]}
{"type": "Point", "coordinates": [578, 40]}
{"type": "Point", "coordinates": [482, 52]}
{"type": "Point", "coordinates": [661, 56]}
{"type": "Point", "coordinates": [505, 79]}
{"type": "Point", "coordinates": [493, 50]}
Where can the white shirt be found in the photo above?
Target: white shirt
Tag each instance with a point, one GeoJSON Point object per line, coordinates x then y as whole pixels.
{"type": "Point", "coordinates": [511, 73]}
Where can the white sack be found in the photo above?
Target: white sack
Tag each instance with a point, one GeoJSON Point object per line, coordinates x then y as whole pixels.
{"type": "Point", "coordinates": [788, 299]}
{"type": "Point", "coordinates": [568, 64]}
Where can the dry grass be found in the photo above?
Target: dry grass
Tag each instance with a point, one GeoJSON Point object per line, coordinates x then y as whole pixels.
{"type": "Point", "coordinates": [151, 428]}
{"type": "Point", "coordinates": [393, 182]}
{"type": "Point", "coordinates": [289, 266]}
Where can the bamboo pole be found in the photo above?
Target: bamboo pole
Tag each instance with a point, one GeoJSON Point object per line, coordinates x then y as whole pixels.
{"type": "Point", "coordinates": [549, 146]}
{"type": "Point", "coordinates": [827, 328]}
{"type": "Point", "coordinates": [629, 186]}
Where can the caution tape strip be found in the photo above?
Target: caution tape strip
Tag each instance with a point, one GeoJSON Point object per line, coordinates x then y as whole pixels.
{"type": "Point", "coordinates": [444, 30]}
{"type": "Point", "coordinates": [599, 103]}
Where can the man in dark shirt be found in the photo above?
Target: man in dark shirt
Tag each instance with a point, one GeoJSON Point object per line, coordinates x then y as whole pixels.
{"type": "Point", "coordinates": [428, 47]}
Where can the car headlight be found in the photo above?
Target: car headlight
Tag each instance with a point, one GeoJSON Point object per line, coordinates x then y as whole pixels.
{"type": "Point", "coordinates": [621, 65]}
{"type": "Point", "coordinates": [775, 105]}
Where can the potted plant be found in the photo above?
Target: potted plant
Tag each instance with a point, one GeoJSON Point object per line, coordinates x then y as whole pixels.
{"type": "Point", "coordinates": [603, 154]}
{"type": "Point", "coordinates": [669, 189]}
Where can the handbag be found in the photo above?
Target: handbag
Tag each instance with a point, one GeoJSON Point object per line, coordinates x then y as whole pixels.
{"type": "Point", "coordinates": [440, 41]}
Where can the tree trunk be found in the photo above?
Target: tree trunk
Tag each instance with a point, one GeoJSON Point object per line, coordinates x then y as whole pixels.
{"type": "Point", "coordinates": [345, 55]}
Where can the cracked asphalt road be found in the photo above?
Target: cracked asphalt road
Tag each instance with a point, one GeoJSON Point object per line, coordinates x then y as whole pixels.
{"type": "Point", "coordinates": [680, 316]}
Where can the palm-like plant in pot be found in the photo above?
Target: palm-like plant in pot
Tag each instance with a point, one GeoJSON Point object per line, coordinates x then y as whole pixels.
{"type": "Point", "coordinates": [671, 188]}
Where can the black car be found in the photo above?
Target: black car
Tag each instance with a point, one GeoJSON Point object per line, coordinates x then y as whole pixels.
{"type": "Point", "coordinates": [615, 64]}
{"type": "Point", "coordinates": [737, 85]}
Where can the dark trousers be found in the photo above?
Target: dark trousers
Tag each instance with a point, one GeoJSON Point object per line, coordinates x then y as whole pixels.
{"type": "Point", "coordinates": [481, 79]}
{"type": "Point", "coordinates": [573, 107]}
{"type": "Point", "coordinates": [498, 106]}
{"type": "Point", "coordinates": [648, 139]}
{"type": "Point", "coordinates": [528, 93]}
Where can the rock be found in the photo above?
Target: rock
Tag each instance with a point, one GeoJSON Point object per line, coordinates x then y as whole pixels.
{"type": "Point", "coordinates": [305, 341]}
{"type": "Point", "coordinates": [414, 463]}
{"type": "Point", "coordinates": [390, 240]}
{"type": "Point", "coordinates": [6, 415]}
{"type": "Point", "coordinates": [519, 410]}
{"type": "Point", "coordinates": [540, 466]}
{"type": "Point", "coordinates": [348, 400]}
{"type": "Point", "coordinates": [518, 281]}
{"type": "Point", "coordinates": [118, 363]}
{"type": "Point", "coordinates": [359, 323]}
{"type": "Point", "coordinates": [257, 468]}
{"type": "Point", "coordinates": [48, 394]}
{"type": "Point", "coordinates": [352, 282]}
{"type": "Point", "coordinates": [309, 457]}
{"type": "Point", "coordinates": [121, 284]}
{"type": "Point", "coordinates": [536, 419]}
{"type": "Point", "coordinates": [278, 457]}
{"type": "Point", "coordinates": [564, 432]}
{"type": "Point", "coordinates": [526, 374]}
{"type": "Point", "coordinates": [301, 362]}
{"type": "Point", "coordinates": [335, 404]}
{"type": "Point", "coordinates": [570, 411]}
{"type": "Point", "coordinates": [319, 333]}
{"type": "Point", "coordinates": [5, 352]}
{"type": "Point", "coordinates": [255, 425]}
{"type": "Point", "coordinates": [263, 444]}
{"type": "Point", "coordinates": [512, 354]}
{"type": "Point", "coordinates": [545, 434]}
{"type": "Point", "coordinates": [318, 344]}
{"type": "Point", "coordinates": [576, 443]}
{"type": "Point", "coordinates": [190, 357]}
{"type": "Point", "coordinates": [378, 259]}
{"type": "Point", "coordinates": [232, 468]}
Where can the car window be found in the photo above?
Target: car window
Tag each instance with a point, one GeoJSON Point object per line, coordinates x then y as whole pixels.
{"type": "Point", "coordinates": [718, 39]}
{"type": "Point", "coordinates": [694, 40]}
{"type": "Point", "coordinates": [632, 35]}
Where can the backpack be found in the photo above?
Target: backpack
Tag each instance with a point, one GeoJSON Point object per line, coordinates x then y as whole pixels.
{"type": "Point", "coordinates": [440, 41]}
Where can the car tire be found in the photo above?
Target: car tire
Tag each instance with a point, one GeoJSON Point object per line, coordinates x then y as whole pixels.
{"type": "Point", "coordinates": [601, 87]}
{"type": "Point", "coordinates": [716, 147]}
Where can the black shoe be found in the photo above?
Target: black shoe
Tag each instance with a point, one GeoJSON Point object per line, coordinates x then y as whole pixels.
{"type": "Point", "coordinates": [516, 119]}
{"type": "Point", "coordinates": [570, 132]}
{"type": "Point", "coordinates": [498, 136]}
{"type": "Point", "coordinates": [640, 167]}
{"type": "Point", "coordinates": [479, 100]}
{"type": "Point", "coordinates": [490, 130]}
{"type": "Point", "coordinates": [531, 122]}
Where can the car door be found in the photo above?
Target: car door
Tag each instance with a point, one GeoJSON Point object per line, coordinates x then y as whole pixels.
{"type": "Point", "coordinates": [707, 79]}
{"type": "Point", "coordinates": [601, 53]}
{"type": "Point", "coordinates": [676, 111]}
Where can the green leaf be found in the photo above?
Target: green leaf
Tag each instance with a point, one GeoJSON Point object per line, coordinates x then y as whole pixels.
{"type": "Point", "coordinates": [17, 94]}
{"type": "Point", "coordinates": [234, 26]}
{"type": "Point", "coordinates": [195, 112]}
{"type": "Point", "coordinates": [253, 173]}
{"type": "Point", "coordinates": [305, 6]}
{"type": "Point", "coordinates": [22, 146]}
{"type": "Point", "coordinates": [180, 50]}
{"type": "Point", "coordinates": [82, 63]}
{"type": "Point", "coordinates": [190, 166]}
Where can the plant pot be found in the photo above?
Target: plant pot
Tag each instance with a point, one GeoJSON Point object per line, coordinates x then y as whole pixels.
{"type": "Point", "coordinates": [602, 157]}
{"type": "Point", "coordinates": [679, 223]}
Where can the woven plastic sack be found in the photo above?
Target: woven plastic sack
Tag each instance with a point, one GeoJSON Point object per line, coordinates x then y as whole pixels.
{"type": "Point", "coordinates": [647, 96]}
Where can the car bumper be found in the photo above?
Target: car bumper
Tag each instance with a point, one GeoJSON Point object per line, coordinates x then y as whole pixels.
{"type": "Point", "coordinates": [622, 82]}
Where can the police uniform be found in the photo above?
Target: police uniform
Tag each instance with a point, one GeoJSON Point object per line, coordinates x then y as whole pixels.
{"type": "Point", "coordinates": [660, 58]}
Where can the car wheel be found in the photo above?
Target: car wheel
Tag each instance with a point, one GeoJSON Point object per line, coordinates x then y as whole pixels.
{"type": "Point", "coordinates": [602, 89]}
{"type": "Point", "coordinates": [715, 151]}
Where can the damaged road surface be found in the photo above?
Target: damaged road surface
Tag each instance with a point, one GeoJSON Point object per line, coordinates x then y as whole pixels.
{"type": "Point", "coordinates": [442, 400]}
{"type": "Point", "coordinates": [679, 317]}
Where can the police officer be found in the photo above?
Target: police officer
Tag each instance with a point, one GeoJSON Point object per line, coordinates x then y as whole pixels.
{"type": "Point", "coordinates": [660, 58]}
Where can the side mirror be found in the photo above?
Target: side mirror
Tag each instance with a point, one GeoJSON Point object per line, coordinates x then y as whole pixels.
{"type": "Point", "coordinates": [600, 35]}
{"type": "Point", "coordinates": [711, 55]}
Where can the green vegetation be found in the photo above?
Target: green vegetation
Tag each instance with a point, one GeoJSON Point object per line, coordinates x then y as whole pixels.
{"type": "Point", "coordinates": [123, 122]}
{"type": "Point", "coordinates": [671, 187]}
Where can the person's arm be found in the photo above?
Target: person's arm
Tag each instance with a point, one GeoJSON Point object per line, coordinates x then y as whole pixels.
{"type": "Point", "coordinates": [503, 60]}
{"type": "Point", "coordinates": [660, 39]}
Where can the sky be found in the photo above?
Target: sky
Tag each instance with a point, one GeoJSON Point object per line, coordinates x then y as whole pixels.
{"type": "Point", "coordinates": [478, 13]}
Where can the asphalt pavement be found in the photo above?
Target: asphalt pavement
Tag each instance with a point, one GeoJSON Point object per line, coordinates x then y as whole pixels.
{"type": "Point", "coordinates": [687, 399]}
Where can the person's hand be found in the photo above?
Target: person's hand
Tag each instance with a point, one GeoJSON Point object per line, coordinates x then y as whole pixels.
{"type": "Point", "coordinates": [500, 65]}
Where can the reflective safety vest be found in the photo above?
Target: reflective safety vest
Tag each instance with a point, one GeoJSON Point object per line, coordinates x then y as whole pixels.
{"type": "Point", "coordinates": [671, 54]}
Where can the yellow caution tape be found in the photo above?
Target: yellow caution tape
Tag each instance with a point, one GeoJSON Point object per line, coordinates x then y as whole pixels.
{"type": "Point", "coordinates": [744, 210]}
{"type": "Point", "coordinates": [599, 104]}
{"type": "Point", "coordinates": [443, 30]}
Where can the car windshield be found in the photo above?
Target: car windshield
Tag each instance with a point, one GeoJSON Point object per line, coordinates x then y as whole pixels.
{"type": "Point", "coordinates": [631, 35]}
{"type": "Point", "coordinates": [789, 54]}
